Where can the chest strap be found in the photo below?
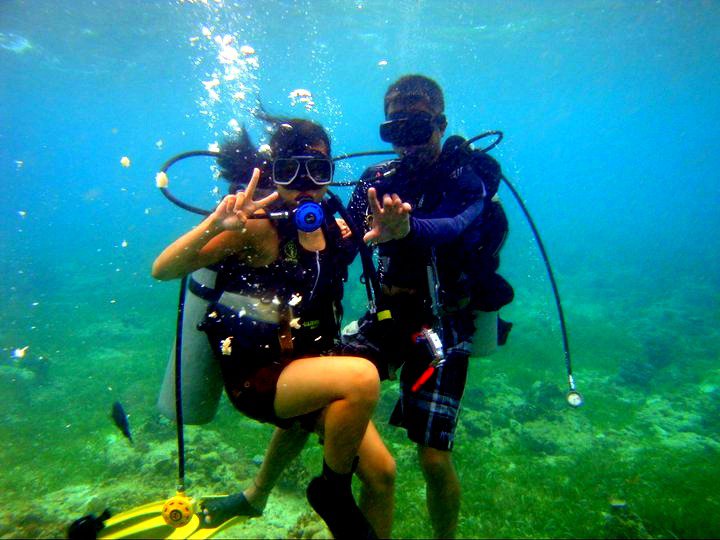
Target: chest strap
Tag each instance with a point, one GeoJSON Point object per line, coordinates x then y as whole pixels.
{"type": "Point", "coordinates": [285, 332]}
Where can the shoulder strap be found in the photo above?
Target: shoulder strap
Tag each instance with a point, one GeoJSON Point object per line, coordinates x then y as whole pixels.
{"type": "Point", "coordinates": [372, 283]}
{"type": "Point", "coordinates": [487, 168]}
{"type": "Point", "coordinates": [455, 154]}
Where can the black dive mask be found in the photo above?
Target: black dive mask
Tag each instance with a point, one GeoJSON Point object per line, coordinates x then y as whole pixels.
{"type": "Point", "coordinates": [410, 128]}
{"type": "Point", "coordinates": [302, 173]}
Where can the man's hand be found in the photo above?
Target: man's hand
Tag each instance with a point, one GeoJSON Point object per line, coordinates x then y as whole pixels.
{"type": "Point", "coordinates": [234, 210]}
{"type": "Point", "coordinates": [391, 221]}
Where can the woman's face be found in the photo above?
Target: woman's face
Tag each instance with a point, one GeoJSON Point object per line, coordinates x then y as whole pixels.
{"type": "Point", "coordinates": [292, 197]}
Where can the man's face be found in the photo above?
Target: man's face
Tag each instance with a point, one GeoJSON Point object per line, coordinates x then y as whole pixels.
{"type": "Point", "coordinates": [421, 155]}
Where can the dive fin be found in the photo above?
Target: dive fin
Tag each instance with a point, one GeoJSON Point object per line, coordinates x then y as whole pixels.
{"type": "Point", "coordinates": [146, 521]}
{"type": "Point", "coordinates": [142, 522]}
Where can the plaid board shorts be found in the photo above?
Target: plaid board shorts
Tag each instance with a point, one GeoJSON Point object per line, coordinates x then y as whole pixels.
{"type": "Point", "coordinates": [430, 414]}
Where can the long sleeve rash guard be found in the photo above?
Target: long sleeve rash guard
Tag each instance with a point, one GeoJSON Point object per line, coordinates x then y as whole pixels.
{"type": "Point", "coordinates": [441, 212]}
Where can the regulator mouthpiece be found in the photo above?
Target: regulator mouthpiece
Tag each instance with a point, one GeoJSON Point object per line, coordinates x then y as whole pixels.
{"type": "Point", "coordinates": [309, 216]}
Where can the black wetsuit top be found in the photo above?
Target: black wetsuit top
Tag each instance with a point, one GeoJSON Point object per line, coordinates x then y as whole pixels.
{"type": "Point", "coordinates": [451, 206]}
{"type": "Point", "coordinates": [255, 357]}
{"type": "Point", "coordinates": [316, 278]}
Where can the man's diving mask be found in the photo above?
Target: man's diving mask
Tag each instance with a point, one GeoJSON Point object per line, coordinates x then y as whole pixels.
{"type": "Point", "coordinates": [287, 172]}
{"type": "Point", "coordinates": [410, 128]}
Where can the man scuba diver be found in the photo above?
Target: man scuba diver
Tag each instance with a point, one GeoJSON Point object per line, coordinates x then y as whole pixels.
{"type": "Point", "coordinates": [439, 232]}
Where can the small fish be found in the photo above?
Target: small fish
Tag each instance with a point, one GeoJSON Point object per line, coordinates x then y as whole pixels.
{"type": "Point", "coordinates": [121, 420]}
{"type": "Point", "coordinates": [19, 354]}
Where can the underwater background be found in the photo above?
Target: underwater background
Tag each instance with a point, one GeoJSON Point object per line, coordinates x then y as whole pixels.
{"type": "Point", "coordinates": [610, 112]}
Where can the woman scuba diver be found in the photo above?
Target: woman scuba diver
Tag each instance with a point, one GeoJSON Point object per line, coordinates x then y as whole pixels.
{"type": "Point", "coordinates": [275, 319]}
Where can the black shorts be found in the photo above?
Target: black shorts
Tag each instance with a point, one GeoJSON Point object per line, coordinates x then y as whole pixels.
{"type": "Point", "coordinates": [252, 364]}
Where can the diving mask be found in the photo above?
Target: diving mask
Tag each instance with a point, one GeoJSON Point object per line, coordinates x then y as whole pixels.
{"type": "Point", "coordinates": [287, 172]}
{"type": "Point", "coordinates": [410, 128]}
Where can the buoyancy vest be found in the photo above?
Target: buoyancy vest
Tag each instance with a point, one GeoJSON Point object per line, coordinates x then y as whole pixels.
{"type": "Point", "coordinates": [306, 286]}
{"type": "Point", "coordinates": [467, 267]}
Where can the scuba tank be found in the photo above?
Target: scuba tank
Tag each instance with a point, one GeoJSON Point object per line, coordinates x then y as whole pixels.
{"type": "Point", "coordinates": [202, 383]}
{"type": "Point", "coordinates": [489, 291]}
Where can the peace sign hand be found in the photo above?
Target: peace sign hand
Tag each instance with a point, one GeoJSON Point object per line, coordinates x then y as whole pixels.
{"type": "Point", "coordinates": [391, 221]}
{"type": "Point", "coordinates": [234, 211]}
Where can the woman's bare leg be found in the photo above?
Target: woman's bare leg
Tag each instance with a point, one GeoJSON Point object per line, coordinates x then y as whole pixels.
{"type": "Point", "coordinates": [376, 470]}
{"type": "Point", "coordinates": [346, 387]}
{"type": "Point", "coordinates": [284, 447]}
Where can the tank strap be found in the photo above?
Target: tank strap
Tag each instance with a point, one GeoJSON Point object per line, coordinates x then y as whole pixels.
{"type": "Point", "coordinates": [203, 291]}
{"type": "Point", "coordinates": [285, 332]}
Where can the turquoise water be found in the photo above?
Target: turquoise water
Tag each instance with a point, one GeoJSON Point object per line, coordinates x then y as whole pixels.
{"type": "Point", "coordinates": [610, 114]}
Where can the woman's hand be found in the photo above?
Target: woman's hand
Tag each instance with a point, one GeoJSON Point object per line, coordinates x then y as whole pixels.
{"type": "Point", "coordinates": [234, 211]}
{"type": "Point", "coordinates": [391, 221]}
{"type": "Point", "coordinates": [345, 231]}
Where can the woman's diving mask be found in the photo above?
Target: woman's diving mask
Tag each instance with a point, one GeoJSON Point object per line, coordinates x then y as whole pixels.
{"type": "Point", "coordinates": [302, 172]}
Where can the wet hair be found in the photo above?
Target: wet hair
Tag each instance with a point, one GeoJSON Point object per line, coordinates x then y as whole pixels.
{"type": "Point", "coordinates": [238, 157]}
{"type": "Point", "coordinates": [291, 136]}
{"type": "Point", "coordinates": [411, 89]}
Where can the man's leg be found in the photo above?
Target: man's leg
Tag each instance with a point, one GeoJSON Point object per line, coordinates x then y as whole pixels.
{"type": "Point", "coordinates": [442, 490]}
